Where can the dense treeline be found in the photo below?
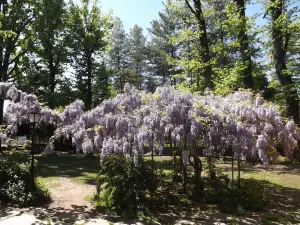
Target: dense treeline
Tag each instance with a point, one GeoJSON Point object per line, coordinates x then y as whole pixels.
{"type": "Point", "coordinates": [62, 51]}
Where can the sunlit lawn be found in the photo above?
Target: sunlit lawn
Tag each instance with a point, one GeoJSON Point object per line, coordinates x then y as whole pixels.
{"type": "Point", "coordinates": [275, 176]}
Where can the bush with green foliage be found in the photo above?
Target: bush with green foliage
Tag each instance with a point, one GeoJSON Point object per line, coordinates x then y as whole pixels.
{"type": "Point", "coordinates": [12, 143]}
{"type": "Point", "coordinates": [232, 197]}
{"type": "Point", "coordinates": [296, 156]}
{"type": "Point", "coordinates": [16, 185]}
{"type": "Point", "coordinates": [27, 145]}
{"type": "Point", "coordinates": [122, 187]}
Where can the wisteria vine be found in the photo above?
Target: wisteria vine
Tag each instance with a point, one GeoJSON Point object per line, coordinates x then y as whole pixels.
{"type": "Point", "coordinates": [21, 105]}
{"type": "Point", "coordinates": [133, 121]}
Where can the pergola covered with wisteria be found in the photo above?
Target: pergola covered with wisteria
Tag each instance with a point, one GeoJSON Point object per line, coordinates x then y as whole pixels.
{"type": "Point", "coordinates": [124, 125]}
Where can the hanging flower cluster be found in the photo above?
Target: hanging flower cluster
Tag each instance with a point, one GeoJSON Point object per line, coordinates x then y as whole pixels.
{"type": "Point", "coordinates": [21, 104]}
{"type": "Point", "coordinates": [135, 121]}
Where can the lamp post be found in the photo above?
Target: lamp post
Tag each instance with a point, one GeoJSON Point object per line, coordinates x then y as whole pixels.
{"type": "Point", "coordinates": [34, 118]}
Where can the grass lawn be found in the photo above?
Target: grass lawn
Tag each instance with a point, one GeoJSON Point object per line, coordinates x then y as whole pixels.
{"type": "Point", "coordinates": [285, 176]}
{"type": "Point", "coordinates": [81, 169]}
{"type": "Point", "coordinates": [85, 169]}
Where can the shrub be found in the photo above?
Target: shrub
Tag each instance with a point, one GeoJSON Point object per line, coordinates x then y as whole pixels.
{"type": "Point", "coordinates": [27, 145]}
{"type": "Point", "coordinates": [296, 155]}
{"type": "Point", "coordinates": [232, 198]}
{"type": "Point", "coordinates": [122, 187]}
{"type": "Point", "coordinates": [16, 185]}
{"type": "Point", "coordinates": [12, 144]}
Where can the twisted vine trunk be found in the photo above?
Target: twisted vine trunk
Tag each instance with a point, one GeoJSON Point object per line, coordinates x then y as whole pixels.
{"type": "Point", "coordinates": [184, 169]}
{"type": "Point", "coordinates": [198, 167]}
{"type": "Point", "coordinates": [174, 155]}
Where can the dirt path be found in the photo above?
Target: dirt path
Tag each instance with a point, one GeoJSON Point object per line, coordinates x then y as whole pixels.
{"type": "Point", "coordinates": [68, 206]}
{"type": "Point", "coordinates": [66, 194]}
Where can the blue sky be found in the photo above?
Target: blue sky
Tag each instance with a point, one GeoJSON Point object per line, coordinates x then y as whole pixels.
{"type": "Point", "coordinates": [142, 12]}
{"type": "Point", "coordinates": [253, 9]}
{"type": "Point", "coordinates": [132, 12]}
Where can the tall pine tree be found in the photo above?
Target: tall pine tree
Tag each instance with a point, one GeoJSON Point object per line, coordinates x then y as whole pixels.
{"type": "Point", "coordinates": [119, 54]}
{"type": "Point", "coordinates": [137, 55]}
{"type": "Point", "coordinates": [160, 47]}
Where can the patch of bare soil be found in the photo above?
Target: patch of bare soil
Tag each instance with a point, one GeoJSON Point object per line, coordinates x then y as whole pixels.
{"type": "Point", "coordinates": [68, 194]}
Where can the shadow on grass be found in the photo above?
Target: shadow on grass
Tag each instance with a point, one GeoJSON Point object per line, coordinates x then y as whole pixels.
{"type": "Point", "coordinates": [86, 168]}
{"type": "Point", "coordinates": [282, 205]}
{"type": "Point", "coordinates": [290, 169]}
{"type": "Point", "coordinates": [83, 168]}
{"type": "Point", "coordinates": [245, 169]}
{"type": "Point", "coordinates": [279, 197]}
{"type": "Point", "coordinates": [280, 169]}
{"type": "Point", "coordinates": [161, 163]}
{"type": "Point", "coordinates": [172, 205]}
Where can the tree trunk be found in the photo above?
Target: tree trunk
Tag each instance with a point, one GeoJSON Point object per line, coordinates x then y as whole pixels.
{"type": "Point", "coordinates": [232, 165]}
{"type": "Point", "coordinates": [280, 44]}
{"type": "Point", "coordinates": [1, 110]}
{"type": "Point", "coordinates": [1, 100]}
{"type": "Point", "coordinates": [239, 171]}
{"type": "Point", "coordinates": [244, 45]}
{"type": "Point", "coordinates": [52, 86]}
{"type": "Point", "coordinates": [89, 83]}
{"type": "Point", "coordinates": [205, 54]}
{"type": "Point", "coordinates": [152, 173]}
{"type": "Point", "coordinates": [172, 73]}
{"type": "Point", "coordinates": [121, 84]}
{"type": "Point", "coordinates": [119, 72]}
{"type": "Point", "coordinates": [1, 117]}
{"type": "Point", "coordinates": [239, 175]}
{"type": "Point", "coordinates": [3, 78]}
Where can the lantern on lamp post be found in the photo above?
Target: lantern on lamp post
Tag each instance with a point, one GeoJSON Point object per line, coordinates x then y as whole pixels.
{"type": "Point", "coordinates": [34, 119]}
